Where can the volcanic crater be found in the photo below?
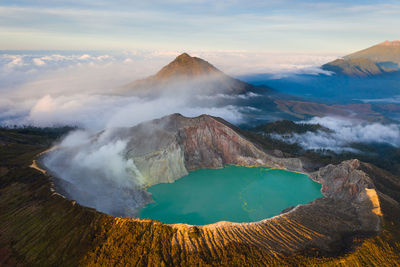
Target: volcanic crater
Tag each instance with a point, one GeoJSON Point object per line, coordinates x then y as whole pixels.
{"type": "Point", "coordinates": [176, 145]}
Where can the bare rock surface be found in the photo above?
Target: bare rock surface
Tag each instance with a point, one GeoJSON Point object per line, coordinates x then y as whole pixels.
{"type": "Point", "coordinates": [166, 149]}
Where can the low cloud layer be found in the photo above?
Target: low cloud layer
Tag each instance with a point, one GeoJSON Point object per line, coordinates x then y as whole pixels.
{"type": "Point", "coordinates": [105, 111]}
{"type": "Point", "coordinates": [389, 100]}
{"type": "Point", "coordinates": [78, 88]}
{"type": "Point", "coordinates": [82, 90]}
{"type": "Point", "coordinates": [344, 132]}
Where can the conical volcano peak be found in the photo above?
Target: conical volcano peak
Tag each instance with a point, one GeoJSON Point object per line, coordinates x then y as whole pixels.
{"type": "Point", "coordinates": [187, 66]}
{"type": "Point", "coordinates": [183, 56]}
{"type": "Point", "coordinates": [195, 73]}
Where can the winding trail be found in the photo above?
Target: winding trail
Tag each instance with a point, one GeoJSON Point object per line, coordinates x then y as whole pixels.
{"type": "Point", "coordinates": [35, 165]}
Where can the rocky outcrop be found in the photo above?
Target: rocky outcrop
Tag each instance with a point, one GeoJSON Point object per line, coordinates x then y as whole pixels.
{"type": "Point", "coordinates": [343, 181]}
{"type": "Point", "coordinates": [348, 182]}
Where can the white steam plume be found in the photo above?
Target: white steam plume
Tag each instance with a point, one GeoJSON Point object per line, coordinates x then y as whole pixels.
{"type": "Point", "coordinates": [95, 173]}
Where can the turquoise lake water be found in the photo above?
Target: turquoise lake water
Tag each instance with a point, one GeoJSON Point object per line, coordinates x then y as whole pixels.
{"type": "Point", "coordinates": [233, 193]}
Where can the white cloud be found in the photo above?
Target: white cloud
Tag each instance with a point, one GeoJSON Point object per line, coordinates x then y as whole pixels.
{"type": "Point", "coordinates": [244, 62]}
{"type": "Point", "coordinates": [103, 111]}
{"type": "Point", "coordinates": [85, 56]}
{"type": "Point", "coordinates": [393, 100]}
{"type": "Point", "coordinates": [38, 62]}
{"type": "Point", "coordinates": [345, 131]}
{"type": "Point", "coordinates": [14, 61]}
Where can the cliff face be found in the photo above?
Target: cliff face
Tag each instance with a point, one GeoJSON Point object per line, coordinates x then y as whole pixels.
{"type": "Point", "coordinates": [166, 149]}
{"type": "Point", "coordinates": [348, 182]}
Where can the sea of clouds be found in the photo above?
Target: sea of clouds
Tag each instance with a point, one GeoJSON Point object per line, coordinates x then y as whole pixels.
{"type": "Point", "coordinates": [343, 133]}
{"type": "Point", "coordinates": [78, 88]}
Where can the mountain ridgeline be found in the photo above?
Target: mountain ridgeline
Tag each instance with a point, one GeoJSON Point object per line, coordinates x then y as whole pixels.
{"type": "Point", "coordinates": [376, 60]}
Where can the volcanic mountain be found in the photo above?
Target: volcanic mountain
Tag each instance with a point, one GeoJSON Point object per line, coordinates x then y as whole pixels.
{"type": "Point", "coordinates": [378, 59]}
{"type": "Point", "coordinates": [188, 73]}
{"type": "Point", "coordinates": [388, 51]}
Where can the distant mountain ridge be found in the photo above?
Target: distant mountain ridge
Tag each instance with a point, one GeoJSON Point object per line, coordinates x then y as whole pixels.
{"type": "Point", "coordinates": [192, 73]}
{"type": "Point", "coordinates": [388, 51]}
{"type": "Point", "coordinates": [356, 67]}
{"type": "Point", "coordinates": [378, 59]}
{"type": "Point", "coordinates": [185, 65]}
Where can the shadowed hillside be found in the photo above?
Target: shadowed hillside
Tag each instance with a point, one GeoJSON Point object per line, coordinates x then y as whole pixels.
{"type": "Point", "coordinates": [388, 51]}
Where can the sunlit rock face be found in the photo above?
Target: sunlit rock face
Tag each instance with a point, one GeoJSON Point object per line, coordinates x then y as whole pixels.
{"type": "Point", "coordinates": [161, 166]}
{"type": "Point", "coordinates": [347, 181]}
{"type": "Point", "coordinates": [166, 149]}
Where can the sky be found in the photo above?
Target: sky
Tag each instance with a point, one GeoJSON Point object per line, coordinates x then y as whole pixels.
{"type": "Point", "coordinates": [290, 26]}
